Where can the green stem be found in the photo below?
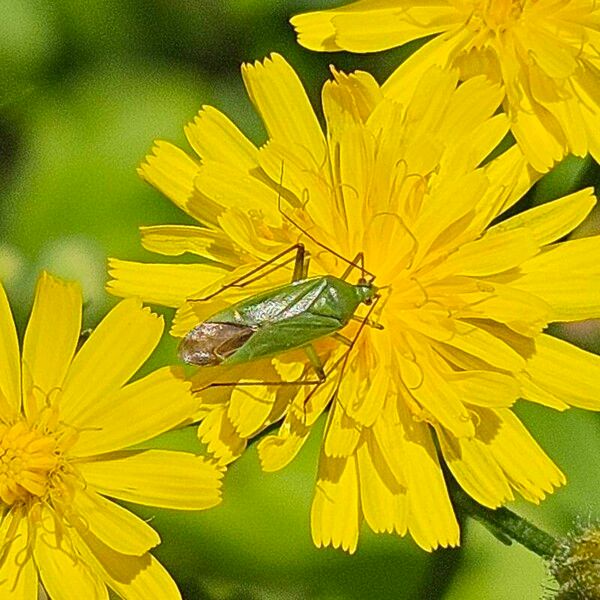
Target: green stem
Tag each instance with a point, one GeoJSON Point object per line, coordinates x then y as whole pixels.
{"type": "Point", "coordinates": [506, 525]}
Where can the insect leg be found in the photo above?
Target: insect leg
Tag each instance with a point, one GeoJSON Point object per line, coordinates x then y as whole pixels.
{"type": "Point", "coordinates": [343, 360]}
{"type": "Point", "coordinates": [359, 259]}
{"type": "Point", "coordinates": [320, 244]}
{"type": "Point", "coordinates": [315, 361]}
{"type": "Point", "coordinates": [248, 278]}
{"type": "Point", "coordinates": [370, 323]}
{"type": "Point", "coordinates": [314, 382]}
{"type": "Point", "coordinates": [342, 338]}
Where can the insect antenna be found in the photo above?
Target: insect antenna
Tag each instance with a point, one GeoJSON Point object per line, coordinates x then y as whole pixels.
{"type": "Point", "coordinates": [343, 360]}
{"type": "Point", "coordinates": [321, 244]}
{"type": "Point", "coordinates": [245, 279]}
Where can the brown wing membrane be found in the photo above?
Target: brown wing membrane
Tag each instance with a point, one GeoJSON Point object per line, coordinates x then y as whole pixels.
{"type": "Point", "coordinates": [209, 344]}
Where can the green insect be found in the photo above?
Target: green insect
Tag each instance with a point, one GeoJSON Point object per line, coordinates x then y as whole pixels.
{"type": "Point", "coordinates": [285, 318]}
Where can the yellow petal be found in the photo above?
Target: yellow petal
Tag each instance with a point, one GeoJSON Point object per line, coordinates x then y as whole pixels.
{"type": "Point", "coordinates": [491, 254]}
{"type": "Point", "coordinates": [214, 137]}
{"type": "Point", "coordinates": [131, 577]}
{"type": "Point", "coordinates": [371, 25]}
{"type": "Point", "coordinates": [485, 388]}
{"type": "Point", "coordinates": [383, 500]}
{"type": "Point", "coordinates": [135, 413]}
{"type": "Point", "coordinates": [277, 451]}
{"type": "Point", "coordinates": [534, 393]}
{"type": "Point", "coordinates": [358, 92]}
{"type": "Point", "coordinates": [475, 469]}
{"type": "Point", "coordinates": [567, 277]}
{"type": "Point", "coordinates": [342, 433]}
{"type": "Point", "coordinates": [536, 132]}
{"type": "Point", "coordinates": [357, 150]}
{"type": "Point", "coordinates": [549, 53]}
{"type": "Point", "coordinates": [335, 510]}
{"type": "Point", "coordinates": [431, 520]}
{"type": "Point", "coordinates": [18, 572]}
{"type": "Point", "coordinates": [63, 573]}
{"type": "Point", "coordinates": [10, 373]}
{"type": "Point", "coordinates": [571, 374]}
{"type": "Point", "coordinates": [281, 101]}
{"type": "Point", "coordinates": [388, 434]}
{"type": "Point", "coordinates": [391, 26]}
{"type": "Point", "coordinates": [585, 84]}
{"type": "Point", "coordinates": [484, 345]}
{"type": "Point", "coordinates": [522, 312]}
{"type": "Point", "coordinates": [233, 188]}
{"type": "Point", "coordinates": [550, 221]}
{"type": "Point", "coordinates": [115, 350]}
{"type": "Point", "coordinates": [156, 478]}
{"type": "Point", "coordinates": [240, 227]}
{"type": "Point", "coordinates": [165, 284]}
{"type": "Point", "coordinates": [50, 340]}
{"type": "Point", "coordinates": [115, 526]}
{"type": "Point", "coordinates": [475, 101]}
{"type": "Point", "coordinates": [364, 386]}
{"type": "Point", "coordinates": [440, 399]}
{"type": "Point", "coordinates": [573, 255]}
{"type": "Point", "coordinates": [572, 296]}
{"type": "Point", "coordinates": [569, 113]}
{"type": "Point", "coordinates": [171, 171]}
{"type": "Point", "coordinates": [403, 82]}
{"type": "Point", "coordinates": [174, 240]}
{"type": "Point", "coordinates": [510, 176]}
{"type": "Point", "coordinates": [449, 205]}
{"type": "Point", "coordinates": [220, 436]}
{"type": "Point", "coordinates": [467, 152]}
{"type": "Point", "coordinates": [249, 407]}
{"type": "Point", "coordinates": [300, 175]}
{"type": "Point", "coordinates": [525, 464]}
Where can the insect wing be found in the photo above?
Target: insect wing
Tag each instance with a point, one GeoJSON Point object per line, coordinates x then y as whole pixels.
{"type": "Point", "coordinates": [276, 338]}
{"type": "Point", "coordinates": [275, 305]}
{"type": "Point", "coordinates": [210, 344]}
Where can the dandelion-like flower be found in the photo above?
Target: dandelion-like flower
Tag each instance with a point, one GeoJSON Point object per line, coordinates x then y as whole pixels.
{"type": "Point", "coordinates": [545, 53]}
{"type": "Point", "coordinates": [576, 564]}
{"type": "Point", "coordinates": [65, 418]}
{"type": "Point", "coordinates": [458, 333]}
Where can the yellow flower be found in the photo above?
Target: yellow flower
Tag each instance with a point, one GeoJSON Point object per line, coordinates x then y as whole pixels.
{"type": "Point", "coordinates": [545, 53]}
{"type": "Point", "coordinates": [463, 309]}
{"type": "Point", "coordinates": [65, 417]}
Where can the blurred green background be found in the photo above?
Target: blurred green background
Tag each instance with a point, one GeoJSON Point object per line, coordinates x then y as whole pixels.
{"type": "Point", "coordinates": [85, 87]}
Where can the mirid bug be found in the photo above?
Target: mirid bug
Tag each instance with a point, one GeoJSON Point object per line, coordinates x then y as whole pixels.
{"type": "Point", "coordinates": [288, 317]}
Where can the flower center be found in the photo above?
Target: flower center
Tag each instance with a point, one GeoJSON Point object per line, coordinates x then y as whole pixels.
{"type": "Point", "coordinates": [27, 460]}
{"type": "Point", "coordinates": [493, 15]}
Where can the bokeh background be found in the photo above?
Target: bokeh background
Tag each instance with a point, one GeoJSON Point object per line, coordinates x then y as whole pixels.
{"type": "Point", "coordinates": [85, 87]}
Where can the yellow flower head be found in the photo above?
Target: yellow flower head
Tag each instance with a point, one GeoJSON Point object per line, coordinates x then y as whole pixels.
{"type": "Point", "coordinates": [457, 335]}
{"type": "Point", "coordinates": [65, 417]}
{"type": "Point", "coordinates": [545, 53]}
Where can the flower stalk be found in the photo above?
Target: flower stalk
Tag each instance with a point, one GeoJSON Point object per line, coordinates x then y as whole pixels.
{"type": "Point", "coordinates": [505, 525]}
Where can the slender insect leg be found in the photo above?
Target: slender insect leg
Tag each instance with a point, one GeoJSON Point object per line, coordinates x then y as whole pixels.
{"type": "Point", "coordinates": [370, 323]}
{"type": "Point", "coordinates": [246, 278]}
{"type": "Point", "coordinates": [342, 338]}
{"type": "Point", "coordinates": [344, 359]}
{"type": "Point", "coordinates": [299, 263]}
{"type": "Point", "coordinates": [320, 244]}
{"type": "Point", "coordinates": [359, 259]}
{"type": "Point", "coordinates": [315, 361]}
{"type": "Point", "coordinates": [300, 268]}
{"type": "Point", "coordinates": [314, 382]}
